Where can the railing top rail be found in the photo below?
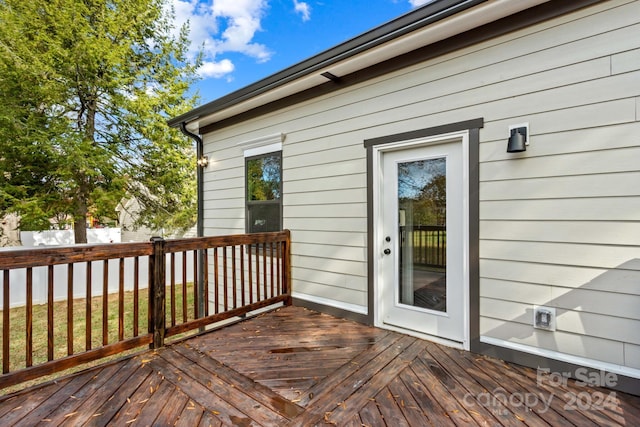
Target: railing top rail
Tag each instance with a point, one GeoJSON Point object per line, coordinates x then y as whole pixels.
{"type": "Point", "coordinates": [39, 256]}
{"type": "Point", "coordinates": [179, 245]}
{"type": "Point", "coordinates": [427, 227]}
{"type": "Point", "coordinates": [45, 256]}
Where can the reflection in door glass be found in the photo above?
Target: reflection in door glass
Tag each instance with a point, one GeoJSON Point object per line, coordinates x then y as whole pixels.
{"type": "Point", "coordinates": [422, 205]}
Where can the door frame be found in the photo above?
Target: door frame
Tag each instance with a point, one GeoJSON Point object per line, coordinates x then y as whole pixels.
{"type": "Point", "coordinates": [468, 131]}
{"type": "Point", "coordinates": [452, 323]}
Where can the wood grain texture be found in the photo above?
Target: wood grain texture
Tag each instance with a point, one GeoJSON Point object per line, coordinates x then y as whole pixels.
{"type": "Point", "coordinates": [297, 367]}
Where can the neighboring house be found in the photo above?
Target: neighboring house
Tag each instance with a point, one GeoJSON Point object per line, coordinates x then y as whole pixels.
{"type": "Point", "coordinates": [357, 149]}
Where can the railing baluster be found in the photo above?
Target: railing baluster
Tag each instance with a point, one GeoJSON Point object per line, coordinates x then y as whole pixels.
{"type": "Point", "coordinates": [5, 322]}
{"type": "Point", "coordinates": [29, 318]}
{"type": "Point", "coordinates": [271, 265]}
{"type": "Point", "coordinates": [172, 271]}
{"type": "Point", "coordinates": [439, 235]}
{"type": "Point", "coordinates": [250, 266]}
{"type": "Point", "coordinates": [184, 286]}
{"type": "Point", "coordinates": [50, 313]}
{"type": "Point", "coordinates": [105, 302]}
{"type": "Point", "coordinates": [264, 270]}
{"type": "Point", "coordinates": [233, 276]}
{"type": "Point", "coordinates": [205, 275]}
{"type": "Point", "coordinates": [121, 300]}
{"type": "Point", "coordinates": [88, 318]}
{"type": "Point", "coordinates": [242, 290]}
{"type": "Point", "coordinates": [216, 281]}
{"type": "Point", "coordinates": [225, 284]}
{"type": "Point", "coordinates": [278, 269]}
{"type": "Point", "coordinates": [69, 309]}
{"type": "Point", "coordinates": [196, 297]}
{"type": "Point", "coordinates": [257, 272]}
{"type": "Point", "coordinates": [136, 290]}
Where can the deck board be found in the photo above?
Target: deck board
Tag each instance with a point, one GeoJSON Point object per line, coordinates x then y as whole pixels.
{"type": "Point", "coordinates": [296, 367]}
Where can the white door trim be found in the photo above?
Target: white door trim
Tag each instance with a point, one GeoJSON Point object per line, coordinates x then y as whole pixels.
{"type": "Point", "coordinates": [378, 151]}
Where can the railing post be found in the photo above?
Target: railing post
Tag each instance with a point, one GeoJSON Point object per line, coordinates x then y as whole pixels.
{"type": "Point", "coordinates": [287, 268]}
{"type": "Point", "coordinates": [157, 293]}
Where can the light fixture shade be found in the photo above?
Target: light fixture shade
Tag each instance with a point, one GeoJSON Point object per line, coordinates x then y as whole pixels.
{"type": "Point", "coordinates": [517, 140]}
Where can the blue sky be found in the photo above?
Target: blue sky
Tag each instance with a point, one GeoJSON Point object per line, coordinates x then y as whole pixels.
{"type": "Point", "coordinates": [246, 40]}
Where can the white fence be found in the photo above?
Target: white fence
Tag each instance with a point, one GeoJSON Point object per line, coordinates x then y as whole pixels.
{"type": "Point", "coordinates": [18, 277]}
{"type": "Point", "coordinates": [65, 237]}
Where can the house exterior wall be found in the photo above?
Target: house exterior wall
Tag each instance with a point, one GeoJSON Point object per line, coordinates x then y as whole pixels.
{"type": "Point", "coordinates": [558, 223]}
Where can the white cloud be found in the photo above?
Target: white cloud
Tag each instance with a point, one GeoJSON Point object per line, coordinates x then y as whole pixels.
{"type": "Point", "coordinates": [303, 9]}
{"type": "Point", "coordinates": [222, 26]}
{"type": "Point", "coordinates": [242, 18]}
{"type": "Point", "coordinates": [215, 69]}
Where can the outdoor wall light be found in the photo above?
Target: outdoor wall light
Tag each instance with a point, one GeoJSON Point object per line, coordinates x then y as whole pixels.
{"type": "Point", "coordinates": [519, 138]}
{"type": "Point", "coordinates": [203, 161]}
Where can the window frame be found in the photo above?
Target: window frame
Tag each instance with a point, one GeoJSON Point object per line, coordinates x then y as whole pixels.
{"type": "Point", "coordinates": [248, 203]}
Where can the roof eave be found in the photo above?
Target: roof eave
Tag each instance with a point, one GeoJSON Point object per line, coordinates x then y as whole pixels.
{"type": "Point", "coordinates": [398, 27]}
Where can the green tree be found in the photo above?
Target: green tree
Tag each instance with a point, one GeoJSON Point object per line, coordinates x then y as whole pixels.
{"type": "Point", "coordinates": [434, 194]}
{"type": "Point", "coordinates": [86, 87]}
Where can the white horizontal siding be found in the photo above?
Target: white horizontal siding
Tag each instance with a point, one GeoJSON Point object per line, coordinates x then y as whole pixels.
{"type": "Point", "coordinates": [333, 251]}
{"type": "Point", "coordinates": [625, 61]}
{"type": "Point", "coordinates": [342, 238]}
{"type": "Point", "coordinates": [579, 209]}
{"type": "Point", "coordinates": [329, 183]}
{"type": "Point", "coordinates": [556, 187]}
{"type": "Point", "coordinates": [606, 326]}
{"type": "Point", "coordinates": [341, 294]}
{"type": "Point", "coordinates": [625, 279]}
{"type": "Point", "coordinates": [632, 355]}
{"type": "Point", "coordinates": [322, 227]}
{"type": "Point", "coordinates": [559, 223]}
{"type": "Point", "coordinates": [338, 280]}
{"type": "Point", "coordinates": [602, 256]}
{"type": "Point", "coordinates": [350, 195]}
{"type": "Point", "coordinates": [583, 232]}
{"type": "Point", "coordinates": [594, 136]}
{"type": "Point", "coordinates": [585, 163]}
{"type": "Point", "coordinates": [581, 345]}
{"type": "Point", "coordinates": [527, 293]}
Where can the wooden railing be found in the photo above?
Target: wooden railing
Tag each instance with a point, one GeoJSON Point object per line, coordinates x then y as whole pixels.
{"type": "Point", "coordinates": [83, 303]}
{"type": "Point", "coordinates": [429, 247]}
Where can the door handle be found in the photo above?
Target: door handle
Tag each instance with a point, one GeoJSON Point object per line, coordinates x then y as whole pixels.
{"type": "Point", "coordinates": [387, 251]}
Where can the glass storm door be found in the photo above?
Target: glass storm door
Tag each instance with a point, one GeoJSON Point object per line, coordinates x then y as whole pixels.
{"type": "Point", "coordinates": [422, 258]}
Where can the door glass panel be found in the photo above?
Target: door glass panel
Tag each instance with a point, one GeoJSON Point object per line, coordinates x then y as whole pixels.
{"type": "Point", "coordinates": [422, 205]}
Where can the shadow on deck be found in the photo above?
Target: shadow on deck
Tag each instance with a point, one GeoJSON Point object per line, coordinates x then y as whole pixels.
{"type": "Point", "coordinates": [296, 367]}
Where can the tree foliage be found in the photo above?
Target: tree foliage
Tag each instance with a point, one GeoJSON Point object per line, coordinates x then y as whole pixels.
{"type": "Point", "coordinates": [86, 87]}
{"type": "Point", "coordinates": [422, 191]}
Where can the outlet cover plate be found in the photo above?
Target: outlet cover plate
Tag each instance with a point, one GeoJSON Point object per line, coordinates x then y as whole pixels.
{"type": "Point", "coordinates": [544, 318]}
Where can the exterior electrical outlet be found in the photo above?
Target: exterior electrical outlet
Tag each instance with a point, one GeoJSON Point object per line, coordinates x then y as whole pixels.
{"type": "Point", "coordinates": [544, 318]}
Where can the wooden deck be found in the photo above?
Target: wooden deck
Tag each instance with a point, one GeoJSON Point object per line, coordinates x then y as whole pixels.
{"type": "Point", "coordinates": [295, 367]}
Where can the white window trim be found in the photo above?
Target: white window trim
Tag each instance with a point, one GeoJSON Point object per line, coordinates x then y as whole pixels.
{"type": "Point", "coordinates": [262, 145]}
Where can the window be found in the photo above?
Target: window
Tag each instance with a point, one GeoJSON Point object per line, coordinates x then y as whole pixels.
{"type": "Point", "coordinates": [264, 192]}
